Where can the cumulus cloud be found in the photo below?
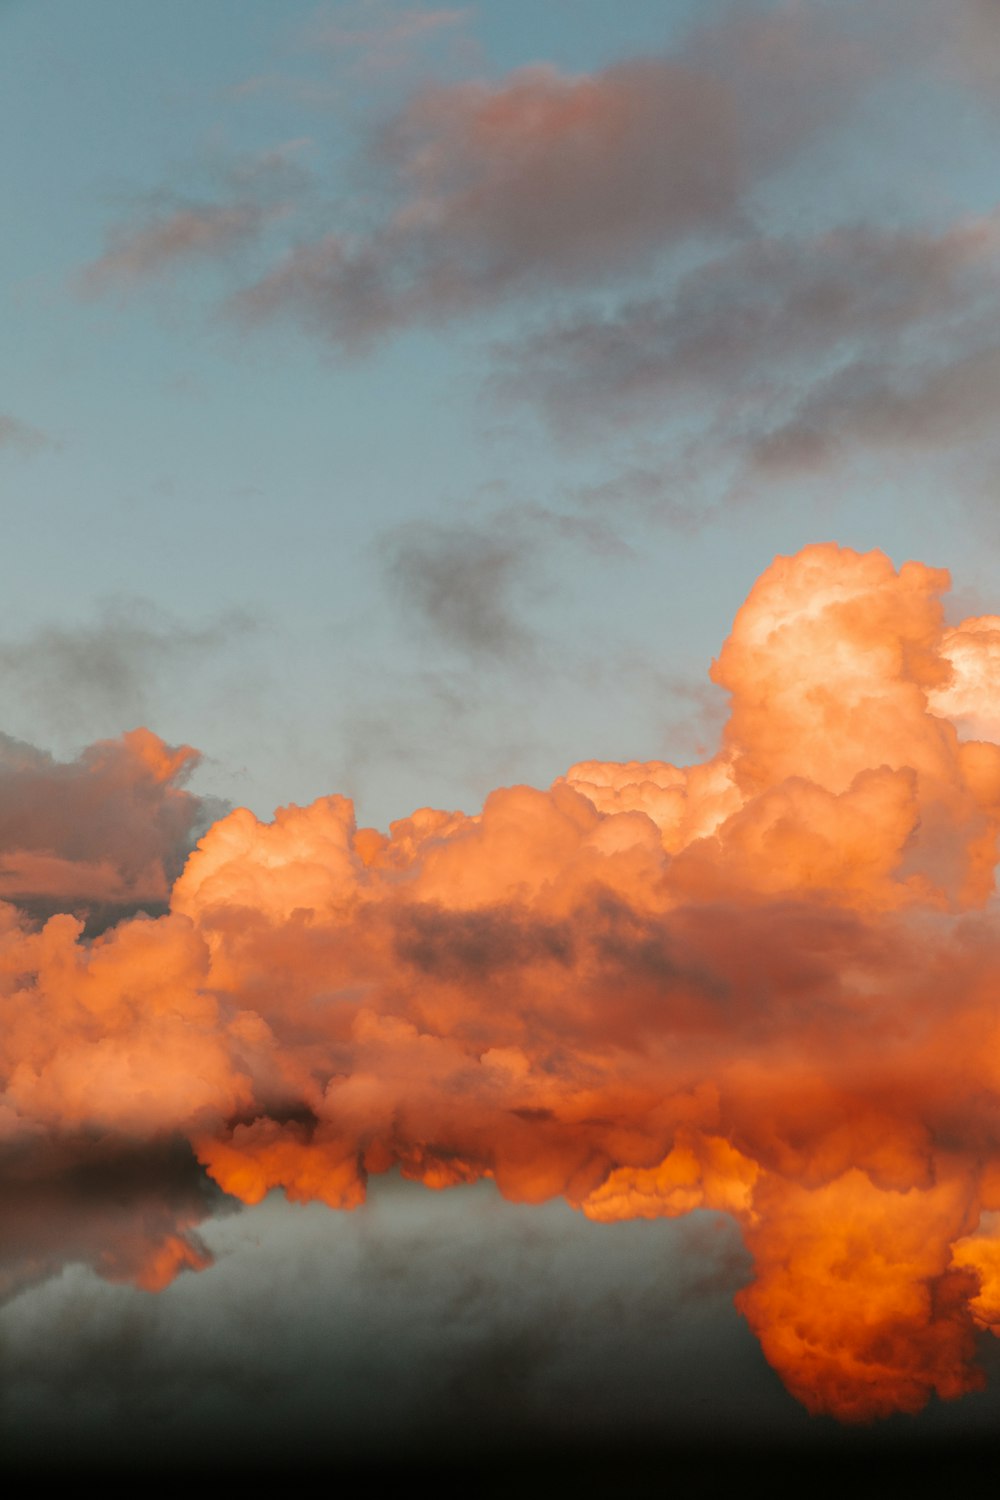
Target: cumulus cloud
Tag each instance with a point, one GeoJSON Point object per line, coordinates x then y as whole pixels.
{"type": "Point", "coordinates": [759, 984]}
{"type": "Point", "coordinates": [100, 835]}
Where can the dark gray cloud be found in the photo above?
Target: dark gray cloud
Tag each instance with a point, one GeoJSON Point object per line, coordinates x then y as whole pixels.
{"type": "Point", "coordinates": [464, 582]}
{"type": "Point", "coordinates": [423, 1325]}
{"type": "Point", "coordinates": [101, 836]}
{"type": "Point", "coordinates": [545, 179]}
{"type": "Point", "coordinates": [102, 1204]}
{"type": "Point", "coordinates": [108, 669]}
{"type": "Point", "coordinates": [778, 357]}
{"type": "Point", "coordinates": [473, 584]}
{"type": "Point", "coordinates": [969, 41]}
{"type": "Point", "coordinates": [943, 405]}
{"type": "Point", "coordinates": [748, 323]}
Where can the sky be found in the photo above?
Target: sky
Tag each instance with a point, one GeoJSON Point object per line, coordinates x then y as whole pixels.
{"type": "Point", "coordinates": [499, 770]}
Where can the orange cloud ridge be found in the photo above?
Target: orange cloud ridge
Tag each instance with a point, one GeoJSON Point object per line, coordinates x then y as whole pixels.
{"type": "Point", "coordinates": [766, 984]}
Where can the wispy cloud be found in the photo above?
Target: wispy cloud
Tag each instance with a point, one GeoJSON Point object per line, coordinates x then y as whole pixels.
{"type": "Point", "coordinates": [464, 582]}
{"type": "Point", "coordinates": [239, 200]}
{"type": "Point", "coordinates": [21, 437]}
{"type": "Point", "coordinates": [381, 37]}
{"type": "Point", "coordinates": [546, 178]}
{"type": "Point", "coordinates": [107, 667]}
{"type": "Point", "coordinates": [777, 356]}
{"type": "Point", "coordinates": [138, 252]}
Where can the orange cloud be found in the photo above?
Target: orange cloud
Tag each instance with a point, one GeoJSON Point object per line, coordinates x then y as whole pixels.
{"type": "Point", "coordinates": [107, 831]}
{"type": "Point", "coordinates": [763, 985]}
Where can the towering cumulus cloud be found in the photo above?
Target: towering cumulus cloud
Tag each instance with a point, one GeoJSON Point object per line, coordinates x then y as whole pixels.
{"type": "Point", "coordinates": [765, 984]}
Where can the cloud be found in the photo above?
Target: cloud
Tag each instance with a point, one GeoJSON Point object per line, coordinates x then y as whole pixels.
{"type": "Point", "coordinates": [764, 312]}
{"type": "Point", "coordinates": [240, 199]}
{"type": "Point", "coordinates": [759, 984]}
{"type": "Point", "coordinates": [21, 437]}
{"type": "Point", "coordinates": [463, 583]}
{"type": "Point", "coordinates": [128, 1212]}
{"type": "Point", "coordinates": [104, 670]}
{"type": "Point", "coordinates": [100, 835]}
{"type": "Point", "coordinates": [381, 37]}
{"type": "Point", "coordinates": [778, 357]}
{"type": "Point", "coordinates": [944, 405]}
{"type": "Point", "coordinates": [137, 252]}
{"type": "Point", "coordinates": [471, 584]}
{"type": "Point", "coordinates": [546, 179]}
{"type": "Point", "coordinates": [969, 42]}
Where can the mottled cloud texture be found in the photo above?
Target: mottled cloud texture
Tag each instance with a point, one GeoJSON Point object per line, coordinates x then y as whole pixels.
{"type": "Point", "coordinates": [762, 984]}
{"type": "Point", "coordinates": [545, 178]}
{"type": "Point", "coordinates": [480, 190]}
{"type": "Point", "coordinates": [760, 321]}
{"type": "Point", "coordinates": [649, 194]}
{"type": "Point", "coordinates": [99, 835]}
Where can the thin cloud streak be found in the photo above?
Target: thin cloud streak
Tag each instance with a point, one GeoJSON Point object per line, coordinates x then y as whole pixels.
{"type": "Point", "coordinates": [21, 437]}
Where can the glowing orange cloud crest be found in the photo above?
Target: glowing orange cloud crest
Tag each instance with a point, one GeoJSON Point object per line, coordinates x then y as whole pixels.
{"type": "Point", "coordinates": [767, 985]}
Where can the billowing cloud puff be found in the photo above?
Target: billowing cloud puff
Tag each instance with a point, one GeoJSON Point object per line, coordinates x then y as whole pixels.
{"type": "Point", "coordinates": [764, 984]}
{"type": "Point", "coordinates": [106, 832]}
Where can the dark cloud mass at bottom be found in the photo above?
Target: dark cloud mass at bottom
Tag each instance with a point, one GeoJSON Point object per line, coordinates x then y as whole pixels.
{"type": "Point", "coordinates": [451, 1331]}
